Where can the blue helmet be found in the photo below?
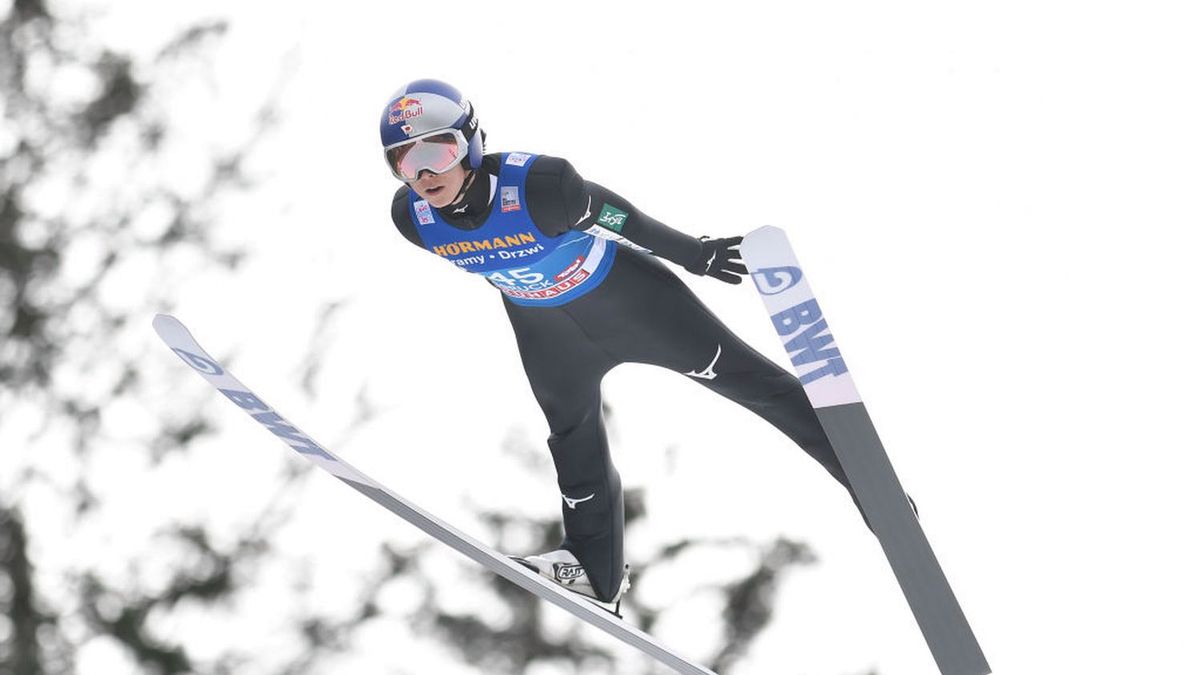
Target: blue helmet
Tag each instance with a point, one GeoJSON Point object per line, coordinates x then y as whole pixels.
{"type": "Point", "coordinates": [424, 107]}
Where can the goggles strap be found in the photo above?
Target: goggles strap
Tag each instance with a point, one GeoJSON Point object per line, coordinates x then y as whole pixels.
{"type": "Point", "coordinates": [471, 125]}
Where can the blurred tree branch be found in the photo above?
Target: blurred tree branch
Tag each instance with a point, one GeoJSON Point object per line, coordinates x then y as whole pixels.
{"type": "Point", "coordinates": [86, 196]}
{"type": "Point", "coordinates": [74, 111]}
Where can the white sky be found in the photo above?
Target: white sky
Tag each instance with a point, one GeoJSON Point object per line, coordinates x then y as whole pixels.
{"type": "Point", "coordinates": [996, 205]}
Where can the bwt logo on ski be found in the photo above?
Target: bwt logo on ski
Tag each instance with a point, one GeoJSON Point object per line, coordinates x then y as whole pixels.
{"type": "Point", "coordinates": [199, 362]}
{"type": "Point", "coordinates": [275, 423]}
{"type": "Point", "coordinates": [775, 280]}
{"type": "Point", "coordinates": [249, 402]}
{"type": "Point", "coordinates": [810, 341]}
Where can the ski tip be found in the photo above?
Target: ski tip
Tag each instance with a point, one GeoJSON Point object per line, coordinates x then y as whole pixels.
{"type": "Point", "coordinates": [163, 321]}
{"type": "Point", "coordinates": [170, 329]}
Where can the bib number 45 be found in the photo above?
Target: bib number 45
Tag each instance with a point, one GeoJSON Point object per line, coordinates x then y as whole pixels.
{"type": "Point", "coordinates": [521, 276]}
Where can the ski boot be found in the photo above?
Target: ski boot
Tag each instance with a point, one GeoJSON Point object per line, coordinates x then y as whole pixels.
{"type": "Point", "coordinates": [563, 568]}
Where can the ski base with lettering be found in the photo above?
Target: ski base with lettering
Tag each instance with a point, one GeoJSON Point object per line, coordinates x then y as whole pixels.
{"type": "Point", "coordinates": [177, 337]}
{"type": "Point", "coordinates": [822, 370]}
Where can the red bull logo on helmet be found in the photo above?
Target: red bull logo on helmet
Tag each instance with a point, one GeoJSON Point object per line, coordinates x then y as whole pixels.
{"type": "Point", "coordinates": [404, 109]}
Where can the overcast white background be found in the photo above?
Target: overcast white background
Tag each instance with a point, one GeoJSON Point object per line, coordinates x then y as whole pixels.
{"type": "Point", "coordinates": [995, 204]}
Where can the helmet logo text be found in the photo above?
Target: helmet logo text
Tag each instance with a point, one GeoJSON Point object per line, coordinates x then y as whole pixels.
{"type": "Point", "coordinates": [404, 109]}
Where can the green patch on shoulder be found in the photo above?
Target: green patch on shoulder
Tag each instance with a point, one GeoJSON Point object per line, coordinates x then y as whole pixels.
{"type": "Point", "coordinates": [612, 218]}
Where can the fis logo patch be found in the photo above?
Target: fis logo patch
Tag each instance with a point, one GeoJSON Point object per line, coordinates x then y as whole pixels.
{"type": "Point", "coordinates": [424, 212]}
{"type": "Point", "coordinates": [517, 158]}
{"type": "Point", "coordinates": [509, 200]}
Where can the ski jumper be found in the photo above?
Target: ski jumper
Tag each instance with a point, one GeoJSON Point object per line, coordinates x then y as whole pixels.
{"type": "Point", "coordinates": [573, 262]}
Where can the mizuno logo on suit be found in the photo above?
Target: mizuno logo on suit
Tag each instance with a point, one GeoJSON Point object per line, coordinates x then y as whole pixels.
{"type": "Point", "coordinates": [708, 373]}
{"type": "Point", "coordinates": [572, 502]}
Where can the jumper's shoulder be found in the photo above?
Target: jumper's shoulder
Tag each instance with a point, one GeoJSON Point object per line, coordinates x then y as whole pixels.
{"type": "Point", "coordinates": [402, 217]}
{"type": "Point", "coordinates": [551, 167]}
{"type": "Point", "coordinates": [542, 168]}
{"type": "Point", "coordinates": [555, 193]}
{"type": "Point", "coordinates": [401, 195]}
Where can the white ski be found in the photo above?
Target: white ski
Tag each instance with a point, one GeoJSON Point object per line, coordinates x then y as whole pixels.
{"type": "Point", "coordinates": [822, 370]}
{"type": "Point", "coordinates": [177, 337]}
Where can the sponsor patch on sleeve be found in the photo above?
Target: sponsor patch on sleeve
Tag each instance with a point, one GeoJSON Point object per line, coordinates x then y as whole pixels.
{"type": "Point", "coordinates": [612, 218]}
{"type": "Point", "coordinates": [517, 158]}
{"type": "Point", "coordinates": [600, 232]}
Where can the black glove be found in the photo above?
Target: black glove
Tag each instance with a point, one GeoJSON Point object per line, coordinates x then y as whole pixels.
{"type": "Point", "coordinates": [719, 258]}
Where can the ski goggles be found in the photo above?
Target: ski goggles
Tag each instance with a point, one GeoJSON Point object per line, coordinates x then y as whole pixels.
{"type": "Point", "coordinates": [438, 152]}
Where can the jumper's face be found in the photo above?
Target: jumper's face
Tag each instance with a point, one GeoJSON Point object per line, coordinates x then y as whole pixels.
{"type": "Point", "coordinates": [439, 189]}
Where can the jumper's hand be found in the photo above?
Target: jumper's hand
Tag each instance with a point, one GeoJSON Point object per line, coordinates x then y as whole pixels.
{"type": "Point", "coordinates": [720, 258]}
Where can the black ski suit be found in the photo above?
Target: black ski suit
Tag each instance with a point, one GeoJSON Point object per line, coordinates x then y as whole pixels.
{"type": "Point", "coordinates": [641, 312]}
